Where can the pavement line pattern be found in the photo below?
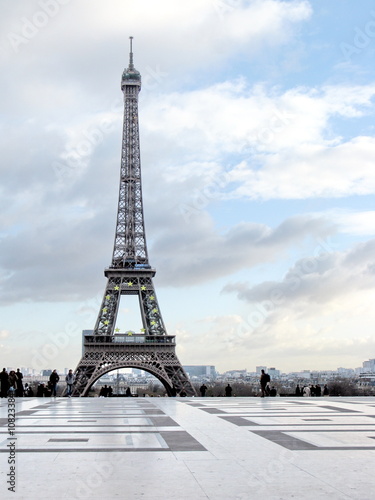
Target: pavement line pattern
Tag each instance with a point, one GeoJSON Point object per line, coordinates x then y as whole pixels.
{"type": "Point", "coordinates": [135, 425]}
{"type": "Point", "coordinates": [275, 422]}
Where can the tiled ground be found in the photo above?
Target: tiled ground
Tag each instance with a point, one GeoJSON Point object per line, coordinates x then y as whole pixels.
{"type": "Point", "coordinates": [198, 448]}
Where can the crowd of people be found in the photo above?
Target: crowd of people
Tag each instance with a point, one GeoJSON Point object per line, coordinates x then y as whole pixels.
{"type": "Point", "coordinates": [12, 385]}
{"type": "Point", "coordinates": [312, 390]}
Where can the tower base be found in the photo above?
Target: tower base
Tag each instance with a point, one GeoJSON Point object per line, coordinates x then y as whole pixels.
{"type": "Point", "coordinates": [153, 354]}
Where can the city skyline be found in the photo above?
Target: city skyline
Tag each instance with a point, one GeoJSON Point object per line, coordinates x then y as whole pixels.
{"type": "Point", "coordinates": [257, 146]}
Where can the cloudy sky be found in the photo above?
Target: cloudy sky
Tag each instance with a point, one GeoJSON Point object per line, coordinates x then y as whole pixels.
{"type": "Point", "coordinates": [258, 146]}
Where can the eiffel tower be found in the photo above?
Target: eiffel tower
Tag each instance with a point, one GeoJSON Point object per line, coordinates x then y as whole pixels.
{"type": "Point", "coordinates": [151, 349]}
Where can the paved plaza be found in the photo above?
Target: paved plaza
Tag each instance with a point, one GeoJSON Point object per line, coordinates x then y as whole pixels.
{"type": "Point", "coordinates": [190, 448]}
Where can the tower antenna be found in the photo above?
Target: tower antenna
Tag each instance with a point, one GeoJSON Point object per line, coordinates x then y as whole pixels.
{"type": "Point", "coordinates": [131, 65]}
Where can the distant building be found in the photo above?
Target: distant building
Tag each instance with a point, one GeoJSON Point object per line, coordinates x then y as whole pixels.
{"type": "Point", "coordinates": [208, 371]}
{"type": "Point", "coordinates": [273, 373]}
{"type": "Point", "coordinates": [236, 373]}
{"type": "Point", "coordinates": [369, 366]}
{"type": "Point", "coordinates": [305, 374]}
{"type": "Point", "coordinates": [345, 372]}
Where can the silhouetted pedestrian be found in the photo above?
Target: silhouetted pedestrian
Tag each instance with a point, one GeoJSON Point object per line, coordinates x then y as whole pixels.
{"type": "Point", "coordinates": [19, 389]}
{"type": "Point", "coordinates": [298, 390]}
{"type": "Point", "coordinates": [40, 391]}
{"type": "Point", "coordinates": [325, 390]}
{"type": "Point", "coordinates": [4, 378]}
{"type": "Point", "coordinates": [264, 383]}
{"type": "Point", "coordinates": [228, 391]}
{"type": "Point", "coordinates": [53, 379]}
{"type": "Point", "coordinates": [203, 390]}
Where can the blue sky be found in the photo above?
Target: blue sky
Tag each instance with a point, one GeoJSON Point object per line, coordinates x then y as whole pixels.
{"type": "Point", "coordinates": [258, 147]}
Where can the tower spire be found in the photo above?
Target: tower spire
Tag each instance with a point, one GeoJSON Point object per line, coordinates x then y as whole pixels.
{"type": "Point", "coordinates": [130, 75]}
{"type": "Point", "coordinates": [131, 65]}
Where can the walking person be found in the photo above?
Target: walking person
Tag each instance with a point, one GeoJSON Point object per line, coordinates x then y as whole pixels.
{"type": "Point", "coordinates": [228, 391]}
{"type": "Point", "coordinates": [4, 379]}
{"type": "Point", "coordinates": [53, 380]}
{"type": "Point", "coordinates": [69, 379]}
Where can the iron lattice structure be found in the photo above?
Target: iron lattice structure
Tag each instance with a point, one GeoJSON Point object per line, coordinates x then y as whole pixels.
{"type": "Point", "coordinates": [130, 273]}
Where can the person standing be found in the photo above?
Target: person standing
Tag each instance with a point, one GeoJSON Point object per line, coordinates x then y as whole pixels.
{"type": "Point", "coordinates": [53, 380]}
{"type": "Point", "coordinates": [228, 391]}
{"type": "Point", "coordinates": [264, 381]}
{"type": "Point", "coordinates": [4, 378]}
{"type": "Point", "coordinates": [202, 390]}
{"type": "Point", "coordinates": [12, 383]}
{"type": "Point", "coordinates": [307, 391]}
{"type": "Point", "coordinates": [19, 390]}
{"type": "Point", "coordinates": [69, 379]}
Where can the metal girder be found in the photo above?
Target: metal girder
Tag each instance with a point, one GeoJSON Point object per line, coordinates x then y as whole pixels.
{"type": "Point", "coordinates": [161, 362]}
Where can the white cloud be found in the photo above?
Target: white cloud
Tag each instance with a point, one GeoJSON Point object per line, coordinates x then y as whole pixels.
{"type": "Point", "coordinates": [287, 141]}
{"type": "Point", "coordinates": [354, 222]}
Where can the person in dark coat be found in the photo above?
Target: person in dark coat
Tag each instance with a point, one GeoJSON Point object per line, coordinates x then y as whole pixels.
{"type": "Point", "coordinates": [228, 391]}
{"type": "Point", "coordinates": [4, 379]}
{"type": "Point", "coordinates": [273, 392]}
{"type": "Point", "coordinates": [264, 381]}
{"type": "Point", "coordinates": [53, 379]}
{"type": "Point", "coordinates": [40, 391]}
{"type": "Point", "coordinates": [203, 389]}
{"type": "Point", "coordinates": [19, 390]}
{"type": "Point", "coordinates": [12, 382]}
